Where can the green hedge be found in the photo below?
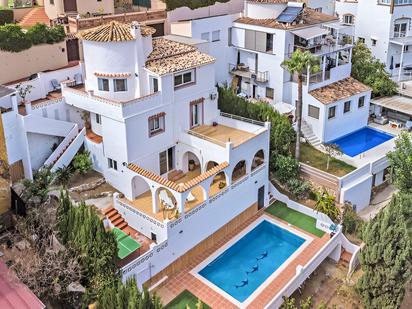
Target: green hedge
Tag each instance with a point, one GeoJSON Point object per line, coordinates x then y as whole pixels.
{"type": "Point", "coordinates": [282, 135]}
{"type": "Point", "coordinates": [14, 39]}
{"type": "Point", "coordinates": [193, 4]}
{"type": "Point", "coordinates": [6, 16]}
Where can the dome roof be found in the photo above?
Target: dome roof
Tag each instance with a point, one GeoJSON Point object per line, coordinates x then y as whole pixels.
{"type": "Point", "coordinates": [113, 32]}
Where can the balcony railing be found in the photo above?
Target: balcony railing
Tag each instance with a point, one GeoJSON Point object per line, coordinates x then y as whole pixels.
{"type": "Point", "coordinates": [245, 71]}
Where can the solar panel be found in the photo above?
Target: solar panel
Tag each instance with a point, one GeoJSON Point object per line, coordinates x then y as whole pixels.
{"type": "Point", "coordinates": [289, 14]}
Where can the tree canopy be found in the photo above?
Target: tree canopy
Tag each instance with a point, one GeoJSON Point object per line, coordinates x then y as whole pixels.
{"type": "Point", "coordinates": [371, 71]}
{"type": "Point", "coordinates": [401, 162]}
{"type": "Point", "coordinates": [386, 258]}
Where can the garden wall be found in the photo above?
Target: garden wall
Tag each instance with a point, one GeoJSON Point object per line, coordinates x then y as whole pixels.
{"type": "Point", "coordinates": [14, 66]}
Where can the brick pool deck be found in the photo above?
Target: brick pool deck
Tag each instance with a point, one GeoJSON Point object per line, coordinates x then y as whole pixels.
{"type": "Point", "coordinates": [184, 280]}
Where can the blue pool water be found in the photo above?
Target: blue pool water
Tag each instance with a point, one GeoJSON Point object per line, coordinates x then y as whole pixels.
{"type": "Point", "coordinates": [361, 141]}
{"type": "Point", "coordinates": [230, 268]}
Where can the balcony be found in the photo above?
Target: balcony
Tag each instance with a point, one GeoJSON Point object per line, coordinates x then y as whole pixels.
{"type": "Point", "coordinates": [246, 72]}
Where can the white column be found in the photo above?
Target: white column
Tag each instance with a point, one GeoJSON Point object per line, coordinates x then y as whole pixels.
{"type": "Point", "coordinates": [323, 67]}
{"type": "Point", "coordinates": [400, 65]}
{"type": "Point", "coordinates": [155, 207]}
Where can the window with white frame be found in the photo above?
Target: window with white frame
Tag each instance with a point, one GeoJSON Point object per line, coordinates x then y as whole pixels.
{"type": "Point", "coordinates": [196, 113]}
{"type": "Point", "coordinates": [205, 36]}
{"type": "Point", "coordinates": [103, 84]}
{"type": "Point", "coordinates": [313, 111]}
{"type": "Point", "coordinates": [112, 164]}
{"type": "Point", "coordinates": [348, 19]}
{"type": "Point", "coordinates": [156, 124]}
{"type": "Point", "coordinates": [216, 36]}
{"type": "Point", "coordinates": [346, 107]}
{"type": "Point", "coordinates": [361, 102]}
{"type": "Point", "coordinates": [184, 78]}
{"type": "Point", "coordinates": [120, 84]}
{"type": "Point", "coordinates": [331, 112]}
{"type": "Point", "coordinates": [400, 29]}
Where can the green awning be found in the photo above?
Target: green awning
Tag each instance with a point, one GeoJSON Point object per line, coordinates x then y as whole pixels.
{"type": "Point", "coordinates": [126, 245]}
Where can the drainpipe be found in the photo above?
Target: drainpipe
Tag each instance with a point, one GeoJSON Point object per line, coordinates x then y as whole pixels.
{"type": "Point", "coordinates": [392, 7]}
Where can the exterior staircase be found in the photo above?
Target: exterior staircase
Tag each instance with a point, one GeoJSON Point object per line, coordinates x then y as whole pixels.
{"type": "Point", "coordinates": [309, 135]}
{"type": "Point", "coordinates": [345, 258]}
{"type": "Point", "coordinates": [36, 15]}
{"type": "Point", "coordinates": [115, 218]}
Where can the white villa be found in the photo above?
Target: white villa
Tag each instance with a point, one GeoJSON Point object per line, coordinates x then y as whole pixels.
{"type": "Point", "coordinates": [188, 176]}
{"type": "Point", "coordinates": [385, 27]}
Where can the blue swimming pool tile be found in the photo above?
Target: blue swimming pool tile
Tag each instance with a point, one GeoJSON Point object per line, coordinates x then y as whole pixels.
{"type": "Point", "coordinates": [360, 141]}
{"type": "Point", "coordinates": [243, 267]}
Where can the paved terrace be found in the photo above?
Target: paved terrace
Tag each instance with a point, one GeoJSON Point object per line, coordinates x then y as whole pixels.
{"type": "Point", "coordinates": [221, 134]}
{"type": "Point", "coordinates": [184, 280]}
{"type": "Point", "coordinates": [144, 202]}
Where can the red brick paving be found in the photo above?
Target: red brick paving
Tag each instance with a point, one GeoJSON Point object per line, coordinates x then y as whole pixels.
{"type": "Point", "coordinates": [183, 280]}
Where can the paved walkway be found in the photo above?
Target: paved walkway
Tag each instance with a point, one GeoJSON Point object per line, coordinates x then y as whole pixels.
{"type": "Point", "coordinates": [380, 200]}
{"type": "Point", "coordinates": [183, 280]}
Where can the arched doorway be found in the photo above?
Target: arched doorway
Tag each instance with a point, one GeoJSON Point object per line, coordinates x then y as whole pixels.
{"type": "Point", "coordinates": [219, 183]}
{"type": "Point", "coordinates": [258, 159]}
{"type": "Point", "coordinates": [239, 171]}
{"type": "Point", "coordinates": [195, 197]}
{"type": "Point", "coordinates": [210, 165]}
{"type": "Point", "coordinates": [167, 203]}
{"type": "Point", "coordinates": [190, 162]}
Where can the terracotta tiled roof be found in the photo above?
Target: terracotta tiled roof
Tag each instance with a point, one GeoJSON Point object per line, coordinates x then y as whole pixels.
{"type": "Point", "coordinates": [112, 75]}
{"type": "Point", "coordinates": [309, 17]}
{"type": "Point", "coordinates": [339, 90]}
{"type": "Point", "coordinates": [174, 186]}
{"type": "Point", "coordinates": [170, 56]}
{"type": "Point", "coordinates": [113, 32]}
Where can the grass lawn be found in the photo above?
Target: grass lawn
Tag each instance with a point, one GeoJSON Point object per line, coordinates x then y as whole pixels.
{"type": "Point", "coordinates": [313, 157]}
{"type": "Point", "coordinates": [183, 299]}
{"type": "Point", "coordinates": [280, 210]}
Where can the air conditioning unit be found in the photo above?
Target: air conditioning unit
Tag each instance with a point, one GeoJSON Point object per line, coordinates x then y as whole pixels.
{"type": "Point", "coordinates": [213, 96]}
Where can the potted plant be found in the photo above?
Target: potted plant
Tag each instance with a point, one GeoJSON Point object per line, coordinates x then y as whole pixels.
{"type": "Point", "coordinates": [23, 91]}
{"type": "Point", "coordinates": [191, 165]}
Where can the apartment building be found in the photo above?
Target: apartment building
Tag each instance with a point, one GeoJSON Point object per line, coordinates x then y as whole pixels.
{"type": "Point", "coordinates": [384, 26]}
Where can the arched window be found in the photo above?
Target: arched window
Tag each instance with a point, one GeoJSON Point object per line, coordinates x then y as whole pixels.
{"type": "Point", "coordinates": [258, 159]}
{"type": "Point", "coordinates": [218, 184]}
{"type": "Point", "coordinates": [239, 171]}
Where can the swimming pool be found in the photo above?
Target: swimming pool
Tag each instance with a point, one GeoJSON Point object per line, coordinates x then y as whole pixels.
{"type": "Point", "coordinates": [247, 263]}
{"type": "Point", "coordinates": [361, 141]}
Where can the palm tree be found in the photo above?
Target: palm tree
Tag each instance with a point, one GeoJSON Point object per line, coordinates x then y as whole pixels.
{"type": "Point", "coordinates": [300, 63]}
{"type": "Point", "coordinates": [325, 203]}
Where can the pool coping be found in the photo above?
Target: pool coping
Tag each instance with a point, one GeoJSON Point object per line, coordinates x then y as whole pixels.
{"type": "Point", "coordinates": [195, 271]}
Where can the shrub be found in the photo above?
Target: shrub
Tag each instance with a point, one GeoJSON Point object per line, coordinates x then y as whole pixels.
{"type": "Point", "coordinates": [13, 39]}
{"type": "Point", "coordinates": [350, 221]}
{"type": "Point", "coordinates": [6, 16]}
{"type": "Point", "coordinates": [63, 175]}
{"type": "Point", "coordinates": [299, 188]}
{"type": "Point", "coordinates": [286, 168]}
{"type": "Point", "coordinates": [36, 191]}
{"type": "Point", "coordinates": [41, 34]}
{"type": "Point", "coordinates": [325, 203]}
{"type": "Point", "coordinates": [82, 162]}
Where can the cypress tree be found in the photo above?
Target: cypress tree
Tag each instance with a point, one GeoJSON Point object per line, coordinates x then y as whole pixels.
{"type": "Point", "coordinates": [386, 258]}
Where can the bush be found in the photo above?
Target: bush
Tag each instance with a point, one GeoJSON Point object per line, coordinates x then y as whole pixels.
{"type": "Point", "coordinates": [299, 188]}
{"type": "Point", "coordinates": [6, 16]}
{"type": "Point", "coordinates": [82, 162]}
{"type": "Point", "coordinates": [41, 34]}
{"type": "Point", "coordinates": [351, 222]}
{"type": "Point", "coordinates": [13, 39]}
{"type": "Point", "coordinates": [286, 168]}
{"type": "Point", "coordinates": [36, 191]}
{"type": "Point", "coordinates": [282, 135]}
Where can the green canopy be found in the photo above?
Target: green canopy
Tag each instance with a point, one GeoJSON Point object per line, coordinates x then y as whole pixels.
{"type": "Point", "coordinates": [125, 244]}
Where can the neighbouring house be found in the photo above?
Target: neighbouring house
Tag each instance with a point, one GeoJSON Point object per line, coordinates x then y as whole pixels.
{"type": "Point", "coordinates": [189, 177]}
{"type": "Point", "coordinates": [389, 38]}
{"type": "Point", "coordinates": [61, 8]}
